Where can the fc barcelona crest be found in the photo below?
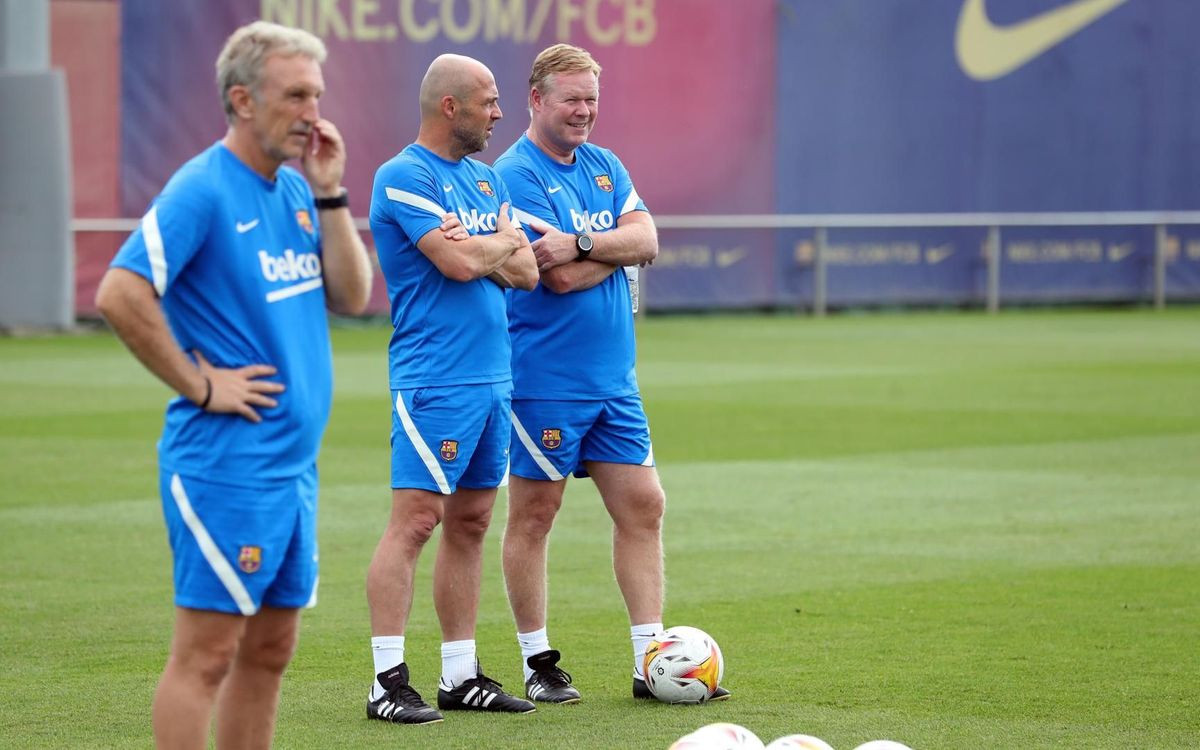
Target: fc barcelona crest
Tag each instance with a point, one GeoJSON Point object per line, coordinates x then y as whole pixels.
{"type": "Point", "coordinates": [250, 558]}
{"type": "Point", "coordinates": [485, 187]}
{"type": "Point", "coordinates": [551, 438]}
{"type": "Point", "coordinates": [604, 182]}
{"type": "Point", "coordinates": [305, 222]}
{"type": "Point", "coordinates": [449, 450]}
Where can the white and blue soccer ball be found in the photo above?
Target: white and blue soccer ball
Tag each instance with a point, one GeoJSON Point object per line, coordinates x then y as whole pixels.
{"type": "Point", "coordinates": [683, 665]}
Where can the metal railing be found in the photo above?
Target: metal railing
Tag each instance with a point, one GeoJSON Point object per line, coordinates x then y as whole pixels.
{"type": "Point", "coordinates": [822, 223]}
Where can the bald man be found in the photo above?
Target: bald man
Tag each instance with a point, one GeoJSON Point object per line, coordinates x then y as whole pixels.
{"type": "Point", "coordinates": [449, 247]}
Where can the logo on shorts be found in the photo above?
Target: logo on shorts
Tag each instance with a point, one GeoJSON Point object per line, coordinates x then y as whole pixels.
{"type": "Point", "coordinates": [449, 450]}
{"type": "Point", "coordinates": [250, 558]}
{"type": "Point", "coordinates": [604, 182]}
{"type": "Point", "coordinates": [304, 221]}
{"type": "Point", "coordinates": [485, 187]}
{"type": "Point", "coordinates": [551, 438]}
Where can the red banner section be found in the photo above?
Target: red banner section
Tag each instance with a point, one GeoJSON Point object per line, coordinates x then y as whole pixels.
{"type": "Point", "coordinates": [687, 92]}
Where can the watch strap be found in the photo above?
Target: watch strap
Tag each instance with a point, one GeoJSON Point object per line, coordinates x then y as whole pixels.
{"type": "Point", "coordinates": [342, 200]}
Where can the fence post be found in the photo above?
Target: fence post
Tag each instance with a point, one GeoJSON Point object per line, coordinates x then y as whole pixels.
{"type": "Point", "coordinates": [819, 290]}
{"type": "Point", "coordinates": [1160, 266]}
{"type": "Point", "coordinates": [993, 269]}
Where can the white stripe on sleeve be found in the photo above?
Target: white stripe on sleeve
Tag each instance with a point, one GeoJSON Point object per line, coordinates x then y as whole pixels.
{"type": "Point", "coordinates": [630, 203]}
{"type": "Point", "coordinates": [209, 549]}
{"type": "Point", "coordinates": [154, 250]}
{"type": "Point", "coordinates": [416, 201]}
{"type": "Point", "coordinates": [410, 429]}
{"type": "Point", "coordinates": [525, 218]}
{"type": "Point", "coordinates": [539, 458]}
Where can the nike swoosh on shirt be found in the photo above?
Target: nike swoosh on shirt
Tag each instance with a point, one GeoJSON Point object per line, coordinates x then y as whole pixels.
{"type": "Point", "coordinates": [554, 189]}
{"type": "Point", "coordinates": [986, 51]}
{"type": "Point", "coordinates": [243, 228]}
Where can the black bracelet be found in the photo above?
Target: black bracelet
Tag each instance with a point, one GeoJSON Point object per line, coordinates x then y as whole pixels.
{"type": "Point", "coordinates": [337, 201]}
{"type": "Point", "coordinates": [207, 394]}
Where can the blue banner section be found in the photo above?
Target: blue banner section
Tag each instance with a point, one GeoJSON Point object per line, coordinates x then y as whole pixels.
{"type": "Point", "coordinates": [900, 266]}
{"type": "Point", "coordinates": [1182, 268]}
{"type": "Point", "coordinates": [1065, 264]}
{"type": "Point", "coordinates": [699, 269]}
{"type": "Point", "coordinates": [961, 105]}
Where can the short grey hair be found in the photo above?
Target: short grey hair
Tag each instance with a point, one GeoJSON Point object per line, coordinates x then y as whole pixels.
{"type": "Point", "coordinates": [241, 61]}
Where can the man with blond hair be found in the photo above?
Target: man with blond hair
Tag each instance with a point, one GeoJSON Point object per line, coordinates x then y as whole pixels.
{"type": "Point", "coordinates": [576, 405]}
{"type": "Point", "coordinates": [451, 383]}
{"type": "Point", "coordinates": [221, 292]}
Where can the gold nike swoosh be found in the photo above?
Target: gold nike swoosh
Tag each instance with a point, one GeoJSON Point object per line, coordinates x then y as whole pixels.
{"type": "Point", "coordinates": [986, 51]}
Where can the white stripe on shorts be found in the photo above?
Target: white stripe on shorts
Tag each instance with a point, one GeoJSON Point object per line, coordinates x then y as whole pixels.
{"type": "Point", "coordinates": [312, 600]}
{"type": "Point", "coordinates": [431, 463]}
{"type": "Point", "coordinates": [649, 457]}
{"type": "Point", "coordinates": [208, 548]}
{"type": "Point", "coordinates": [539, 458]}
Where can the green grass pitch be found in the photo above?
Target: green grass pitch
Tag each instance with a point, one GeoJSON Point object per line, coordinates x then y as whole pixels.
{"type": "Point", "coordinates": [955, 530]}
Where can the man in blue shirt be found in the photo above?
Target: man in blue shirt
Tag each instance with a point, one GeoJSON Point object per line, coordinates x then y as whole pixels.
{"type": "Point", "coordinates": [221, 292]}
{"type": "Point", "coordinates": [451, 382]}
{"type": "Point", "coordinates": [576, 405]}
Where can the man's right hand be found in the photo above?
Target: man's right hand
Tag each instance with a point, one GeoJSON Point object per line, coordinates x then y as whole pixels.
{"type": "Point", "coordinates": [239, 390]}
{"type": "Point", "coordinates": [506, 229]}
{"type": "Point", "coordinates": [452, 228]}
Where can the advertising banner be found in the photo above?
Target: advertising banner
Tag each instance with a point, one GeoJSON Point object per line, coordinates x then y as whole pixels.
{"type": "Point", "coordinates": [774, 106]}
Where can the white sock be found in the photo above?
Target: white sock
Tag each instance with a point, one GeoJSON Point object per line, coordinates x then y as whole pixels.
{"type": "Point", "coordinates": [641, 635]}
{"type": "Point", "coordinates": [458, 662]}
{"type": "Point", "coordinates": [388, 651]}
{"type": "Point", "coordinates": [532, 644]}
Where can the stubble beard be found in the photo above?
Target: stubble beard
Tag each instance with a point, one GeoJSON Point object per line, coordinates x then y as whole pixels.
{"type": "Point", "coordinates": [467, 142]}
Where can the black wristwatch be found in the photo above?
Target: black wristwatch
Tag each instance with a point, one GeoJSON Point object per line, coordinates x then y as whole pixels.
{"type": "Point", "coordinates": [341, 200]}
{"type": "Point", "coordinates": [583, 246]}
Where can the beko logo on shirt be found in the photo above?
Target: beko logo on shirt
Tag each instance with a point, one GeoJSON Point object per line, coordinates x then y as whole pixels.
{"type": "Point", "coordinates": [289, 266]}
{"type": "Point", "coordinates": [586, 222]}
{"type": "Point", "coordinates": [475, 222]}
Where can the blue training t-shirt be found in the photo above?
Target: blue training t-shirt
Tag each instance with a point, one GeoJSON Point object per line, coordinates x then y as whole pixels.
{"type": "Point", "coordinates": [579, 345]}
{"type": "Point", "coordinates": [236, 260]}
{"type": "Point", "coordinates": [446, 332]}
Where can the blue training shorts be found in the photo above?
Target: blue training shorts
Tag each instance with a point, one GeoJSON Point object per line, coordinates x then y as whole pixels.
{"type": "Point", "coordinates": [236, 548]}
{"type": "Point", "coordinates": [554, 438]}
{"type": "Point", "coordinates": [451, 436]}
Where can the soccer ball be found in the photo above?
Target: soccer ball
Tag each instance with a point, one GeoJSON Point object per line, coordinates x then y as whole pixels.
{"type": "Point", "coordinates": [799, 742]}
{"type": "Point", "coordinates": [683, 665]}
{"type": "Point", "coordinates": [719, 736]}
{"type": "Point", "coordinates": [882, 745]}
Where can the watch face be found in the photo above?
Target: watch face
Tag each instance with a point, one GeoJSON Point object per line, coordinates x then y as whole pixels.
{"type": "Point", "coordinates": [584, 243]}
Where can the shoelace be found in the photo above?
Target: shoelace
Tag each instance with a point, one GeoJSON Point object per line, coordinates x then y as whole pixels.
{"type": "Point", "coordinates": [484, 681]}
{"type": "Point", "coordinates": [555, 677]}
{"type": "Point", "coordinates": [405, 695]}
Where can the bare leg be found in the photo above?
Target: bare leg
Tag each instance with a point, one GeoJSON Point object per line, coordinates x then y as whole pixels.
{"type": "Point", "coordinates": [459, 561]}
{"type": "Point", "coordinates": [415, 514]}
{"type": "Point", "coordinates": [249, 699]}
{"type": "Point", "coordinates": [202, 649]}
{"type": "Point", "coordinates": [532, 506]}
{"type": "Point", "coordinates": [635, 500]}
